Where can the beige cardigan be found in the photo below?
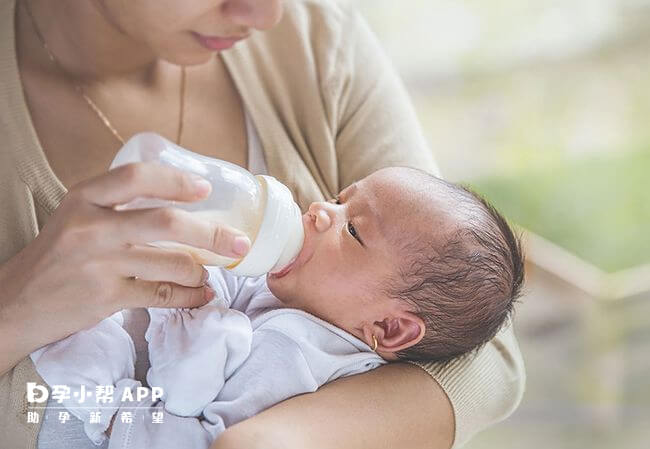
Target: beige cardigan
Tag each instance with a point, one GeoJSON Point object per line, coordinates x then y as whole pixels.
{"type": "Point", "coordinates": [329, 110]}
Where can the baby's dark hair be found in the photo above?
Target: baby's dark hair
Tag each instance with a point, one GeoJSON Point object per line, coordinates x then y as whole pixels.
{"type": "Point", "coordinates": [465, 289]}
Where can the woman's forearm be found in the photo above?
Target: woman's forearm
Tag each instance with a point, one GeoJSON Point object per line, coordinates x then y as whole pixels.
{"type": "Point", "coordinates": [18, 336]}
{"type": "Point", "coordinates": [397, 405]}
{"type": "Point", "coordinates": [12, 349]}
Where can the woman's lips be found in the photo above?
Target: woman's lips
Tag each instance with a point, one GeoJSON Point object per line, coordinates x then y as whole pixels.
{"type": "Point", "coordinates": [216, 43]}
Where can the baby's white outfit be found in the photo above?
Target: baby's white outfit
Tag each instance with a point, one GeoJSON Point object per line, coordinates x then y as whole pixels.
{"type": "Point", "coordinates": [223, 362]}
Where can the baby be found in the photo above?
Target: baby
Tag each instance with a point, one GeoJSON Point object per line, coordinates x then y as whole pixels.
{"type": "Point", "coordinates": [399, 266]}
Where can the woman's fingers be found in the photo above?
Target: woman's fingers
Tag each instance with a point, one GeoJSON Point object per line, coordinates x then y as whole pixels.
{"type": "Point", "coordinates": [170, 224]}
{"type": "Point", "coordinates": [156, 264]}
{"type": "Point", "coordinates": [144, 179]}
{"type": "Point", "coordinates": [139, 293]}
{"type": "Point", "coordinates": [125, 183]}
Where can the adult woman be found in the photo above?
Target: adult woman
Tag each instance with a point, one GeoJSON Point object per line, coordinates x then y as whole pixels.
{"type": "Point", "coordinates": [328, 110]}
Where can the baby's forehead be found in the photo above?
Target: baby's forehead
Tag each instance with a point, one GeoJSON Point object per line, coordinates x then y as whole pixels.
{"type": "Point", "coordinates": [411, 204]}
{"type": "Point", "coordinates": [406, 192]}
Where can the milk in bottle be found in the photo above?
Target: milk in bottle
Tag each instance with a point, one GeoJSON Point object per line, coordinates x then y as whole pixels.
{"type": "Point", "coordinates": [260, 206]}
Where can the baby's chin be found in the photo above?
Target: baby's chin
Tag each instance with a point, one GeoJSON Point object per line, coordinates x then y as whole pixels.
{"type": "Point", "coordinates": [281, 290]}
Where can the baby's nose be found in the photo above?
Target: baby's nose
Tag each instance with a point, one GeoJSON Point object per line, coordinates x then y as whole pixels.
{"type": "Point", "coordinates": [320, 216]}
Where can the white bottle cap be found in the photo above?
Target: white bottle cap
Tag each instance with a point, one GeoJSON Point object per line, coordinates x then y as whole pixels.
{"type": "Point", "coordinates": [281, 233]}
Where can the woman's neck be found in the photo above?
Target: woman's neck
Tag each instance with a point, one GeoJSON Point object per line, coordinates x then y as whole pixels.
{"type": "Point", "coordinates": [86, 43]}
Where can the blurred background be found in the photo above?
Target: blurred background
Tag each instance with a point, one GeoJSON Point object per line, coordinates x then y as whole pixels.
{"type": "Point", "coordinates": [543, 106]}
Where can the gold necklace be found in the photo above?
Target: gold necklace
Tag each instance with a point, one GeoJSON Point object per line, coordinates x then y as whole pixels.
{"type": "Point", "coordinates": [89, 101]}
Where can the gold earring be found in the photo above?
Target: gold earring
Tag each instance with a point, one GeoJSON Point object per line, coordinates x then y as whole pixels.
{"type": "Point", "coordinates": [374, 343]}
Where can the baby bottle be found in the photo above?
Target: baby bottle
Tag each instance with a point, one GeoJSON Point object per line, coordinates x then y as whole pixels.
{"type": "Point", "coordinates": [260, 206]}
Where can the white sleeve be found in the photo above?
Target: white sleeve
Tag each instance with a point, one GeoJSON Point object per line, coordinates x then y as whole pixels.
{"type": "Point", "coordinates": [225, 285]}
{"type": "Point", "coordinates": [193, 352]}
{"type": "Point", "coordinates": [292, 353]}
{"type": "Point", "coordinates": [330, 352]}
{"type": "Point", "coordinates": [101, 356]}
{"type": "Point", "coordinates": [239, 292]}
{"type": "Point", "coordinates": [288, 356]}
{"type": "Point", "coordinates": [274, 371]}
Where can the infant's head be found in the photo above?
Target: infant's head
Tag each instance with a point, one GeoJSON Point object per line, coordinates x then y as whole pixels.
{"type": "Point", "coordinates": [425, 266]}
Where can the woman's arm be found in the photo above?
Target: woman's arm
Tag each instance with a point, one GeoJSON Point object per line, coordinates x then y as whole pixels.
{"type": "Point", "coordinates": [397, 405]}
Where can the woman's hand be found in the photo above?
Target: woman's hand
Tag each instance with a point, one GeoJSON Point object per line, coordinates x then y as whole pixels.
{"type": "Point", "coordinates": [90, 260]}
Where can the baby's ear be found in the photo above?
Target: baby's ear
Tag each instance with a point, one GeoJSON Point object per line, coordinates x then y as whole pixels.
{"type": "Point", "coordinates": [401, 332]}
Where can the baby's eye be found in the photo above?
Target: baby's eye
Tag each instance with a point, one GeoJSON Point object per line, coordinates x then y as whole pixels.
{"type": "Point", "coordinates": [353, 231]}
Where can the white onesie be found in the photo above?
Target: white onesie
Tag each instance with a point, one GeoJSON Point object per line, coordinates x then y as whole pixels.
{"type": "Point", "coordinates": [217, 365]}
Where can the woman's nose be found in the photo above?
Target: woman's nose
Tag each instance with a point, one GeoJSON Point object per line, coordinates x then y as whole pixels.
{"type": "Point", "coordinates": [322, 215]}
{"type": "Point", "coordinates": [260, 14]}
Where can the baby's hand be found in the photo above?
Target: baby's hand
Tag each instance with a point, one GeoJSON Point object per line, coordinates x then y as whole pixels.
{"type": "Point", "coordinates": [97, 357]}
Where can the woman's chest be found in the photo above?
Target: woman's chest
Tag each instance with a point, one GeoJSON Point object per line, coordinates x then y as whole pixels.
{"type": "Point", "coordinates": [78, 137]}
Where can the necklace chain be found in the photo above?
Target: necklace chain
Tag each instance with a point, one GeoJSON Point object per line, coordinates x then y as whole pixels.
{"type": "Point", "coordinates": [79, 89]}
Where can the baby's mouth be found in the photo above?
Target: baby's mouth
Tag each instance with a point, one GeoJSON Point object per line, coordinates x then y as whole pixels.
{"type": "Point", "coordinates": [283, 272]}
{"type": "Point", "coordinates": [302, 258]}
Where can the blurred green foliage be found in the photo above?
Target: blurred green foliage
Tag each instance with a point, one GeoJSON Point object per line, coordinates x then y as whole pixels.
{"type": "Point", "coordinates": [597, 207]}
{"type": "Point", "coordinates": [539, 102]}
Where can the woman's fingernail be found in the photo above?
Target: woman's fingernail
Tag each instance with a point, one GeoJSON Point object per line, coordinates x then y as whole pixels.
{"type": "Point", "coordinates": [241, 245]}
{"type": "Point", "coordinates": [201, 184]}
{"type": "Point", "coordinates": [208, 293]}
{"type": "Point", "coordinates": [205, 276]}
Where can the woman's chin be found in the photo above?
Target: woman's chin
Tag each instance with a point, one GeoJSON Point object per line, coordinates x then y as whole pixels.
{"type": "Point", "coordinates": [188, 58]}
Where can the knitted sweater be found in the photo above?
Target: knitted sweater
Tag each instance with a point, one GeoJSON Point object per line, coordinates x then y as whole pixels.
{"type": "Point", "coordinates": [329, 110]}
